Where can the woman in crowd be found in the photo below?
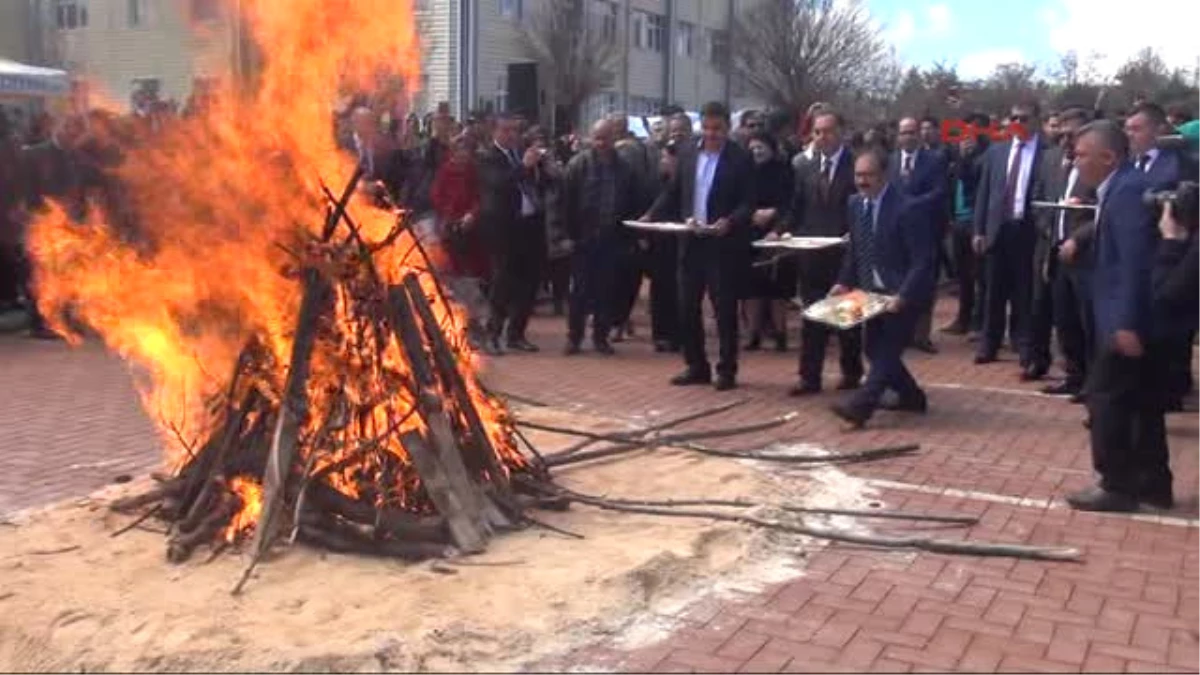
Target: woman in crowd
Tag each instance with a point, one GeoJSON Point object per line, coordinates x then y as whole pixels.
{"type": "Point", "coordinates": [773, 276]}
{"type": "Point", "coordinates": [455, 198]}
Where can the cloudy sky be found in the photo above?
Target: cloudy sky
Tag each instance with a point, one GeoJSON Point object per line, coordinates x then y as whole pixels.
{"type": "Point", "coordinates": [979, 35]}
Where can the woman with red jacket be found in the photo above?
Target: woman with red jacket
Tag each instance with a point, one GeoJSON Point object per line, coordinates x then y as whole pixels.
{"type": "Point", "coordinates": [455, 198]}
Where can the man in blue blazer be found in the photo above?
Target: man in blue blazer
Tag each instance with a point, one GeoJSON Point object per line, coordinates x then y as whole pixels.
{"type": "Point", "coordinates": [1005, 233]}
{"type": "Point", "coordinates": [1164, 170]}
{"type": "Point", "coordinates": [922, 175]}
{"type": "Point", "coordinates": [1128, 436]}
{"type": "Point", "coordinates": [890, 252]}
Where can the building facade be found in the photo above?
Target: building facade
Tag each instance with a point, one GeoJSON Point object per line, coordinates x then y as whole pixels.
{"type": "Point", "coordinates": [667, 52]}
{"type": "Point", "coordinates": [119, 47]}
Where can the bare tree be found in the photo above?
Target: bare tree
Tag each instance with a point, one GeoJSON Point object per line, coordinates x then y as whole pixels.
{"type": "Point", "coordinates": [795, 52]}
{"type": "Point", "coordinates": [578, 56]}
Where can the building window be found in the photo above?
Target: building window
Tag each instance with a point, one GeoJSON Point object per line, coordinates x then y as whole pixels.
{"type": "Point", "coordinates": [70, 14]}
{"type": "Point", "coordinates": [643, 106]}
{"type": "Point", "coordinates": [606, 19]}
{"type": "Point", "coordinates": [649, 31]}
{"type": "Point", "coordinates": [683, 40]}
{"type": "Point", "coordinates": [137, 13]}
{"type": "Point", "coordinates": [510, 9]}
{"type": "Point", "coordinates": [718, 47]}
{"type": "Point", "coordinates": [500, 99]}
{"type": "Point", "coordinates": [205, 10]}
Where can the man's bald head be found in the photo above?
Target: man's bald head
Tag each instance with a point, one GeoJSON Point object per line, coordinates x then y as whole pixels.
{"type": "Point", "coordinates": [602, 136]}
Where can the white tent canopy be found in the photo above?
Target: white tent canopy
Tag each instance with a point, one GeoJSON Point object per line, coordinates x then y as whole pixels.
{"type": "Point", "coordinates": [19, 79]}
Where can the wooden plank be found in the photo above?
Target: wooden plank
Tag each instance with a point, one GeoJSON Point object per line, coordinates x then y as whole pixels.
{"type": "Point", "coordinates": [466, 534]}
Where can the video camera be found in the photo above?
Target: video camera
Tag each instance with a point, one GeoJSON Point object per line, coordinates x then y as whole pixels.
{"type": "Point", "coordinates": [1185, 198]}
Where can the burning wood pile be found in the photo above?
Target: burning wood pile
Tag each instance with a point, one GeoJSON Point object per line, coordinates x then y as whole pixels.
{"type": "Point", "coordinates": [393, 449]}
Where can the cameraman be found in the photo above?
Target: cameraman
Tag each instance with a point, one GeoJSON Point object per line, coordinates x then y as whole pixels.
{"type": "Point", "coordinates": [1177, 291]}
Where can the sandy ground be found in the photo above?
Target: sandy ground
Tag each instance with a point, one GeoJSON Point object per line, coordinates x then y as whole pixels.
{"type": "Point", "coordinates": [75, 598]}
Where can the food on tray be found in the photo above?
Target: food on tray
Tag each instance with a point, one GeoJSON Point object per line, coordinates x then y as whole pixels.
{"type": "Point", "coordinates": [847, 310]}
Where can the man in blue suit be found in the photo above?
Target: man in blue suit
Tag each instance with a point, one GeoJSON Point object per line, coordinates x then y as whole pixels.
{"type": "Point", "coordinates": [1128, 435]}
{"type": "Point", "coordinates": [1164, 170]}
{"type": "Point", "coordinates": [1005, 233]}
{"type": "Point", "coordinates": [921, 174]}
{"type": "Point", "coordinates": [890, 252]}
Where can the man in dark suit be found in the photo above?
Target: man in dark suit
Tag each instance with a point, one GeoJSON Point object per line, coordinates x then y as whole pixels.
{"type": "Point", "coordinates": [513, 232]}
{"type": "Point", "coordinates": [890, 252]}
{"type": "Point", "coordinates": [823, 184]}
{"type": "Point", "coordinates": [1128, 435]}
{"type": "Point", "coordinates": [1061, 295]}
{"type": "Point", "coordinates": [921, 174]}
{"type": "Point", "coordinates": [711, 187]}
{"type": "Point", "coordinates": [599, 192]}
{"type": "Point", "coordinates": [1164, 169]}
{"type": "Point", "coordinates": [1005, 233]}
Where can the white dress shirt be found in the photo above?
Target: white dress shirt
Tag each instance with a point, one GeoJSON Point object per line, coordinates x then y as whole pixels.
{"type": "Point", "coordinates": [1017, 208]}
{"type": "Point", "coordinates": [1151, 157]}
{"type": "Point", "coordinates": [908, 161]}
{"type": "Point", "coordinates": [706, 170]}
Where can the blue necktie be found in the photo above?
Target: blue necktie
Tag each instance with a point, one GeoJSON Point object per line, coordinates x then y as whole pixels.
{"type": "Point", "coordinates": [866, 245]}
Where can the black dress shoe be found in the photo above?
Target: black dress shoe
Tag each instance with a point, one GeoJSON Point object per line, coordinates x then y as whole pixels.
{"type": "Point", "coordinates": [781, 342]}
{"type": "Point", "coordinates": [753, 344]}
{"type": "Point", "coordinates": [919, 406]}
{"type": "Point", "coordinates": [803, 389]}
{"type": "Point", "coordinates": [853, 418]}
{"type": "Point", "coordinates": [491, 347]}
{"type": "Point", "coordinates": [725, 383]}
{"type": "Point", "coordinates": [1099, 499]}
{"type": "Point", "coordinates": [1160, 499]}
{"type": "Point", "coordinates": [983, 358]}
{"type": "Point", "coordinates": [1061, 389]}
{"type": "Point", "coordinates": [604, 348]}
{"type": "Point", "coordinates": [690, 377]}
{"type": "Point", "coordinates": [44, 334]}
{"type": "Point", "coordinates": [926, 346]}
{"type": "Point", "coordinates": [571, 349]}
{"type": "Point", "coordinates": [973, 336]}
{"type": "Point", "coordinates": [1079, 398]}
{"type": "Point", "coordinates": [849, 383]}
{"type": "Point", "coordinates": [954, 328]}
{"type": "Point", "coordinates": [664, 347]}
{"type": "Point", "coordinates": [523, 345]}
{"type": "Point", "coordinates": [1033, 373]}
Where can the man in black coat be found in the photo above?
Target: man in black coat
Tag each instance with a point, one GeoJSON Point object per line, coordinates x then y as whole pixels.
{"type": "Point", "coordinates": [1062, 292]}
{"type": "Point", "coordinates": [712, 188]}
{"type": "Point", "coordinates": [823, 184]}
{"type": "Point", "coordinates": [922, 174]}
{"type": "Point", "coordinates": [599, 192]}
{"type": "Point", "coordinates": [514, 234]}
{"type": "Point", "coordinates": [1006, 235]}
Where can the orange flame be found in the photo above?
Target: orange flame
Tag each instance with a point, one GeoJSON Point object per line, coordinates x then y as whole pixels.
{"type": "Point", "coordinates": [221, 204]}
{"type": "Point", "coordinates": [251, 494]}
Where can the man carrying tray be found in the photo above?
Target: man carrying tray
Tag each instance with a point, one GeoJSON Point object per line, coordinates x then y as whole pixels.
{"type": "Point", "coordinates": [890, 253]}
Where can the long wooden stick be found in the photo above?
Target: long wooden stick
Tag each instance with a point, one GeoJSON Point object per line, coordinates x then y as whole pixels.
{"type": "Point", "coordinates": [292, 413]}
{"type": "Point", "coordinates": [660, 426]}
{"type": "Point", "coordinates": [833, 534]}
{"type": "Point", "coordinates": [746, 504]}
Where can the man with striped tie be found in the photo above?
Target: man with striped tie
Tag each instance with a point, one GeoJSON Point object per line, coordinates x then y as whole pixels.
{"type": "Point", "coordinates": [890, 252]}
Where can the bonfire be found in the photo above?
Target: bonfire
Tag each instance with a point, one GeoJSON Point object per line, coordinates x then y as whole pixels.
{"type": "Point", "coordinates": [310, 378]}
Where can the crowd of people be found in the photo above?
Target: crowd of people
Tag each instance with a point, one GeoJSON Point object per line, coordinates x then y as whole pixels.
{"type": "Point", "coordinates": [1110, 279]}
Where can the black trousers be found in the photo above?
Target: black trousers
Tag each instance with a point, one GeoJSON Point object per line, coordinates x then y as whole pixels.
{"type": "Point", "coordinates": [818, 271]}
{"type": "Point", "coordinates": [886, 338]}
{"type": "Point", "coordinates": [1073, 323]}
{"type": "Point", "coordinates": [558, 278]}
{"type": "Point", "coordinates": [967, 266]}
{"type": "Point", "coordinates": [664, 288]}
{"type": "Point", "coordinates": [705, 270]}
{"type": "Point", "coordinates": [593, 268]}
{"type": "Point", "coordinates": [1036, 350]}
{"type": "Point", "coordinates": [1008, 295]}
{"type": "Point", "coordinates": [517, 265]}
{"type": "Point", "coordinates": [631, 264]}
{"type": "Point", "coordinates": [1128, 431]}
{"type": "Point", "coordinates": [1178, 367]}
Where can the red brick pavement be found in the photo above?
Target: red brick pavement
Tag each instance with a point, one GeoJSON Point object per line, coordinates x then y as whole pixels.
{"type": "Point", "coordinates": [71, 423]}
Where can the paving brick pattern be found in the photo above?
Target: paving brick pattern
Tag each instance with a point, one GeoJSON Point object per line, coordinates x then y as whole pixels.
{"type": "Point", "coordinates": [992, 447]}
